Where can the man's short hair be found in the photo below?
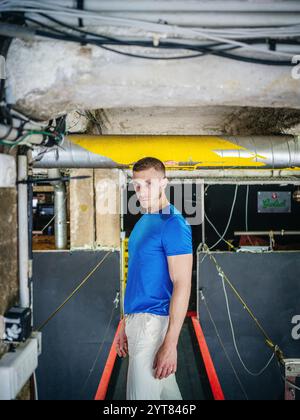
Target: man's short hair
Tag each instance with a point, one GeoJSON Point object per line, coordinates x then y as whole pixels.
{"type": "Point", "coordinates": [148, 163]}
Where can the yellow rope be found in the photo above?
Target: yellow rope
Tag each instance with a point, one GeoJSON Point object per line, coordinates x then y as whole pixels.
{"type": "Point", "coordinates": [73, 293]}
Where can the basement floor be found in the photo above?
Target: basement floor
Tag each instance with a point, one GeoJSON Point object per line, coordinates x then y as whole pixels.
{"type": "Point", "coordinates": [191, 376]}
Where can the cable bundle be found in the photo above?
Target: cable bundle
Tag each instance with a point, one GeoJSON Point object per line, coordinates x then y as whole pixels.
{"type": "Point", "coordinates": [232, 43]}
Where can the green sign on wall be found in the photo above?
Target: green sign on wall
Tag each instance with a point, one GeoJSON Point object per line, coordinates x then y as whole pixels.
{"type": "Point", "coordinates": [274, 202]}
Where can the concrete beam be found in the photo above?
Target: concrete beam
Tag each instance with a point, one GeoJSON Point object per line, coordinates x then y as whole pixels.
{"type": "Point", "coordinates": [209, 120]}
{"type": "Point", "coordinates": [46, 79]}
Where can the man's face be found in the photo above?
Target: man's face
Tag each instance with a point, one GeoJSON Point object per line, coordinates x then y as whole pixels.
{"type": "Point", "coordinates": [149, 186]}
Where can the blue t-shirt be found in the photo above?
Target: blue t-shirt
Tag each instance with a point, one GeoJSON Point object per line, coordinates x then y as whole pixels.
{"type": "Point", "coordinates": [155, 236]}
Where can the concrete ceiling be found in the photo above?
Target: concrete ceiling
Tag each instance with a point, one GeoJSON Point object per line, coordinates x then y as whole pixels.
{"type": "Point", "coordinates": [207, 95]}
{"type": "Point", "coordinates": [210, 120]}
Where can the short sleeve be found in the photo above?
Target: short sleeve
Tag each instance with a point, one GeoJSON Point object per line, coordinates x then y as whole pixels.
{"type": "Point", "coordinates": [177, 237]}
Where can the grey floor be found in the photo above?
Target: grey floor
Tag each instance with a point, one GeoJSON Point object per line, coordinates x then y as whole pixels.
{"type": "Point", "coordinates": [191, 377]}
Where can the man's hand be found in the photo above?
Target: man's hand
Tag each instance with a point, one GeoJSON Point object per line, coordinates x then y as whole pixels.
{"type": "Point", "coordinates": [121, 341]}
{"type": "Point", "coordinates": [165, 361]}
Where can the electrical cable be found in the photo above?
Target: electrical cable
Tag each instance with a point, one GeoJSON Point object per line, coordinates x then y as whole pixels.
{"type": "Point", "coordinates": [52, 135]}
{"type": "Point", "coordinates": [246, 207]}
{"type": "Point", "coordinates": [85, 32]}
{"type": "Point", "coordinates": [276, 350]}
{"type": "Point", "coordinates": [218, 233]}
{"type": "Point", "coordinates": [269, 342]}
{"type": "Point", "coordinates": [63, 36]}
{"type": "Point", "coordinates": [205, 50]}
{"type": "Point", "coordinates": [203, 299]}
{"type": "Point", "coordinates": [65, 25]}
{"type": "Point", "coordinates": [122, 42]}
{"type": "Point", "coordinates": [107, 330]}
{"type": "Point", "coordinates": [56, 137]}
{"type": "Point", "coordinates": [18, 115]}
{"type": "Point", "coordinates": [220, 53]}
{"type": "Point", "coordinates": [229, 220]}
{"type": "Point", "coordinates": [212, 225]}
{"type": "Point", "coordinates": [256, 374]}
{"type": "Point", "coordinates": [8, 6]}
{"type": "Point", "coordinates": [75, 13]}
{"type": "Point", "coordinates": [246, 213]}
{"type": "Point", "coordinates": [21, 124]}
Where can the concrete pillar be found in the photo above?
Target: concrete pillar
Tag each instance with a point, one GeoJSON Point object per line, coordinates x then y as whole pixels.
{"type": "Point", "coordinates": [95, 209]}
{"type": "Point", "coordinates": [82, 213]}
{"type": "Point", "coordinates": [8, 251]}
{"type": "Point", "coordinates": [107, 192]}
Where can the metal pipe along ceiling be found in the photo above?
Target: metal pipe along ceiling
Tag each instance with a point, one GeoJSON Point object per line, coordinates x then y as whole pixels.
{"type": "Point", "coordinates": [216, 19]}
{"type": "Point", "coordinates": [60, 208]}
{"type": "Point", "coordinates": [203, 152]}
{"type": "Point", "coordinates": [193, 20]}
{"type": "Point", "coordinates": [185, 5]}
{"type": "Point", "coordinates": [194, 13]}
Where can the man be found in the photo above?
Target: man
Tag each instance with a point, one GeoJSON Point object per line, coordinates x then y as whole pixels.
{"type": "Point", "coordinates": [158, 288]}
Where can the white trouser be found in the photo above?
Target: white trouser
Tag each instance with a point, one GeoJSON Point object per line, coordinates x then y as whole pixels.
{"type": "Point", "coordinates": [145, 334]}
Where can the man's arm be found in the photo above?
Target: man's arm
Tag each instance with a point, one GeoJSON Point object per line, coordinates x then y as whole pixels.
{"type": "Point", "coordinates": [180, 269]}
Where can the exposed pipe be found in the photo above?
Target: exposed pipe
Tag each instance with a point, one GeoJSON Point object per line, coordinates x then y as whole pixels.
{"type": "Point", "coordinates": [197, 13]}
{"type": "Point", "coordinates": [184, 5]}
{"type": "Point", "coordinates": [60, 210]}
{"type": "Point", "coordinates": [216, 19]}
{"type": "Point", "coordinates": [23, 242]}
{"type": "Point", "coordinates": [70, 156]}
{"type": "Point", "coordinates": [195, 19]}
{"type": "Point", "coordinates": [237, 176]}
{"type": "Point", "coordinates": [268, 233]}
{"type": "Point", "coordinates": [94, 26]}
{"type": "Point", "coordinates": [194, 13]}
{"type": "Point", "coordinates": [274, 151]}
{"type": "Point", "coordinates": [199, 152]}
{"type": "Point", "coordinates": [12, 134]}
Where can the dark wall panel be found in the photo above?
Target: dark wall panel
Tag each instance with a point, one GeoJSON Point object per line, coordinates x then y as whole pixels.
{"type": "Point", "coordinates": [88, 322]}
{"type": "Point", "coordinates": [270, 285]}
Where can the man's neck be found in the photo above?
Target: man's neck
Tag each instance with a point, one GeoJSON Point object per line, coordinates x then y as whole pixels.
{"type": "Point", "coordinates": [161, 205]}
